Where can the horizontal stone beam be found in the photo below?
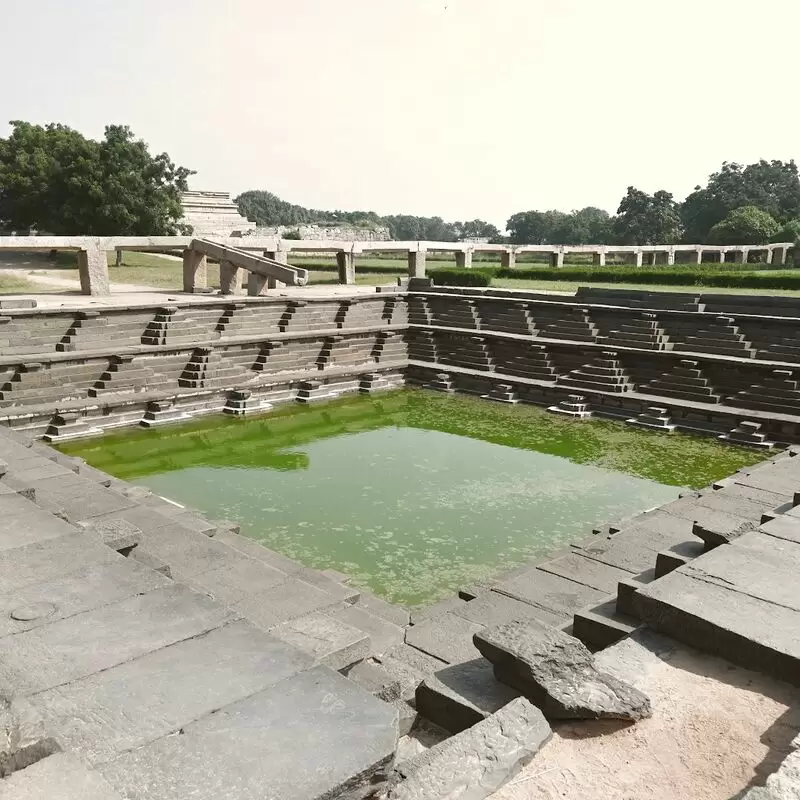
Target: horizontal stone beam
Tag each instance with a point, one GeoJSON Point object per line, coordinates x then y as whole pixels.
{"type": "Point", "coordinates": [269, 268]}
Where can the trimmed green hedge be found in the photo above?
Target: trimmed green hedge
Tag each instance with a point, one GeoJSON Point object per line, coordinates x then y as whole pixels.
{"type": "Point", "coordinates": [461, 277]}
{"type": "Point", "coordinates": [672, 276]}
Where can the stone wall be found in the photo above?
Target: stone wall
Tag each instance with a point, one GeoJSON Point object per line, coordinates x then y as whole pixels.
{"type": "Point", "coordinates": [317, 233]}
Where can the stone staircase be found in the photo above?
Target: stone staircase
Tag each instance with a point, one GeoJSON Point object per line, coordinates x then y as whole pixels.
{"type": "Point", "coordinates": [573, 324]}
{"type": "Point", "coordinates": [685, 381]}
{"type": "Point", "coordinates": [642, 332]}
{"type": "Point", "coordinates": [605, 373]}
{"type": "Point", "coordinates": [464, 351]}
{"type": "Point", "coordinates": [497, 315]}
{"type": "Point", "coordinates": [778, 393]}
{"type": "Point", "coordinates": [532, 362]}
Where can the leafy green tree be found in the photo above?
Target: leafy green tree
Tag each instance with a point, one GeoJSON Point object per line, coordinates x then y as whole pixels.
{"type": "Point", "coordinates": [745, 225]}
{"type": "Point", "coordinates": [54, 179]}
{"type": "Point", "coordinates": [773, 186]}
{"type": "Point", "coordinates": [476, 229]}
{"type": "Point", "coordinates": [790, 232]}
{"type": "Point", "coordinates": [267, 209]}
{"type": "Point", "coordinates": [647, 219]}
{"type": "Point", "coordinates": [588, 225]}
{"type": "Point", "coordinates": [535, 227]}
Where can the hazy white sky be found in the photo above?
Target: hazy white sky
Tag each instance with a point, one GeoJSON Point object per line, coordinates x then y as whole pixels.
{"type": "Point", "coordinates": [461, 108]}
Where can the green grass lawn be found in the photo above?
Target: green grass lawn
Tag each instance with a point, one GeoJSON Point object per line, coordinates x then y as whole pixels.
{"type": "Point", "coordinates": [10, 284]}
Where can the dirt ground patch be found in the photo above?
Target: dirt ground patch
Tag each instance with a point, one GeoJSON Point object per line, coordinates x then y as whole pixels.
{"type": "Point", "coordinates": [716, 729]}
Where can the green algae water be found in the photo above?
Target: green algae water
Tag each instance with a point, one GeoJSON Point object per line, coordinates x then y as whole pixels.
{"type": "Point", "coordinates": [413, 493]}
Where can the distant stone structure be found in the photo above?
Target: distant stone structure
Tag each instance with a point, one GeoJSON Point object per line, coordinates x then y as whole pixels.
{"type": "Point", "coordinates": [213, 214]}
{"type": "Point", "coordinates": [320, 232]}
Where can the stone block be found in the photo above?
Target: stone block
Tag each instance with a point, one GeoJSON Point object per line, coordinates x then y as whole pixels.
{"type": "Point", "coordinates": [261, 744]}
{"type": "Point", "coordinates": [557, 673]}
{"type": "Point", "coordinates": [397, 615]}
{"type": "Point", "coordinates": [383, 635]}
{"type": "Point", "coordinates": [493, 608]}
{"type": "Point", "coordinates": [284, 602]}
{"type": "Point", "coordinates": [81, 645]}
{"type": "Point", "coordinates": [140, 701]}
{"type": "Point", "coordinates": [747, 630]}
{"type": "Point", "coordinates": [23, 741]}
{"type": "Point", "coordinates": [717, 527]}
{"type": "Point", "coordinates": [551, 592]}
{"type": "Point", "coordinates": [118, 534]}
{"type": "Point", "coordinates": [46, 560]}
{"type": "Point", "coordinates": [591, 573]}
{"type": "Point", "coordinates": [377, 680]}
{"type": "Point", "coordinates": [446, 637]}
{"type": "Point", "coordinates": [89, 587]}
{"type": "Point", "coordinates": [459, 696]}
{"type": "Point", "coordinates": [478, 761]}
{"type": "Point", "coordinates": [330, 641]}
{"type": "Point", "coordinates": [60, 777]}
{"type": "Point", "coordinates": [782, 527]}
{"type": "Point", "coordinates": [410, 666]}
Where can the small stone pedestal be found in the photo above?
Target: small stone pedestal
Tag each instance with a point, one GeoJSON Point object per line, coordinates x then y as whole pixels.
{"type": "Point", "coordinates": [655, 418]}
{"type": "Point", "coordinates": [161, 412]}
{"type": "Point", "coordinates": [66, 425]}
{"type": "Point", "coordinates": [373, 382]}
{"type": "Point", "coordinates": [241, 402]}
{"type": "Point", "coordinates": [442, 383]}
{"type": "Point", "coordinates": [748, 433]}
{"type": "Point", "coordinates": [574, 406]}
{"type": "Point", "coordinates": [311, 391]}
{"type": "Point", "coordinates": [502, 393]}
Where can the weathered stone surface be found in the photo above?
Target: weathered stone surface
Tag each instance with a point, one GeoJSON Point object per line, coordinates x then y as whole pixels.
{"type": "Point", "coordinates": [64, 596]}
{"type": "Point", "coordinates": [73, 648]}
{"type": "Point", "coordinates": [59, 777]}
{"type": "Point", "coordinates": [717, 527]}
{"type": "Point", "coordinates": [46, 560]}
{"type": "Point", "coordinates": [461, 695]}
{"type": "Point", "coordinates": [314, 735]}
{"type": "Point", "coordinates": [410, 666]}
{"type": "Point", "coordinates": [118, 534]}
{"type": "Point", "coordinates": [550, 592]}
{"type": "Point", "coordinates": [446, 637]}
{"type": "Point", "coordinates": [142, 700]}
{"type": "Point", "coordinates": [376, 679]}
{"type": "Point", "coordinates": [476, 762]}
{"type": "Point", "coordinates": [23, 740]}
{"type": "Point", "coordinates": [557, 673]}
{"type": "Point", "coordinates": [493, 608]}
{"type": "Point", "coordinates": [329, 640]}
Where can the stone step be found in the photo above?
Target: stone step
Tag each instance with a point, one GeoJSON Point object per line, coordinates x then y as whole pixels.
{"type": "Point", "coordinates": [627, 586]}
{"type": "Point", "coordinates": [676, 556]}
{"type": "Point", "coordinates": [462, 695]}
{"type": "Point", "coordinates": [602, 625]}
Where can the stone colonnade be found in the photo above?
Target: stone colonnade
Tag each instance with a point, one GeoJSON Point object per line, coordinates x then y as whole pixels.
{"type": "Point", "coordinates": [92, 253]}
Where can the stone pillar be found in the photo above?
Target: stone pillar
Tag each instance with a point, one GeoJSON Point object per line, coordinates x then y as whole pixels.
{"type": "Point", "coordinates": [722, 256]}
{"type": "Point", "coordinates": [464, 259]}
{"type": "Point", "coordinates": [599, 259]}
{"type": "Point", "coordinates": [282, 256]}
{"type": "Point", "coordinates": [699, 256]}
{"type": "Point", "coordinates": [347, 268]}
{"type": "Point", "coordinates": [195, 270]}
{"type": "Point", "coordinates": [557, 258]}
{"type": "Point", "coordinates": [416, 263]}
{"type": "Point", "coordinates": [230, 278]}
{"type": "Point", "coordinates": [779, 256]}
{"type": "Point", "coordinates": [740, 256]}
{"type": "Point", "coordinates": [508, 259]}
{"type": "Point", "coordinates": [651, 258]}
{"type": "Point", "coordinates": [639, 258]}
{"type": "Point", "coordinates": [118, 258]}
{"type": "Point", "coordinates": [671, 257]}
{"type": "Point", "coordinates": [93, 271]}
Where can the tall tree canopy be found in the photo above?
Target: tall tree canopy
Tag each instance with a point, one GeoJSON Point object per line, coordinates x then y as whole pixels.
{"type": "Point", "coordinates": [745, 225]}
{"type": "Point", "coordinates": [772, 186]}
{"type": "Point", "coordinates": [56, 180]}
{"type": "Point", "coordinates": [588, 225]}
{"type": "Point", "coordinates": [647, 219]}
